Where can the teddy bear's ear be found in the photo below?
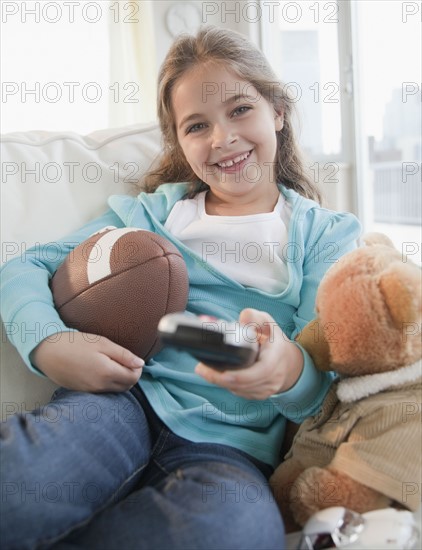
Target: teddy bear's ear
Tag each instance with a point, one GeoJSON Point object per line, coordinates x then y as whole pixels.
{"type": "Point", "coordinates": [372, 239]}
{"type": "Point", "coordinates": [401, 288]}
{"type": "Point", "coordinates": [312, 339]}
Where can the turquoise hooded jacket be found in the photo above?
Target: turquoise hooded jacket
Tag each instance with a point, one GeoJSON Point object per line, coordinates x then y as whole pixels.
{"type": "Point", "coordinates": [190, 406]}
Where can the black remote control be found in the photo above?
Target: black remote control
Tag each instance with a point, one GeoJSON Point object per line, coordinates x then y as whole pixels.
{"type": "Point", "coordinates": [220, 344]}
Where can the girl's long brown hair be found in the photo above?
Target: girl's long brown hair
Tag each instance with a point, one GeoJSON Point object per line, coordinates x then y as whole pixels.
{"type": "Point", "coordinates": [238, 54]}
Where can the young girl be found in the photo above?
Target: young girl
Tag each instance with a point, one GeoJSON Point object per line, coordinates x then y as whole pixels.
{"type": "Point", "coordinates": [173, 454]}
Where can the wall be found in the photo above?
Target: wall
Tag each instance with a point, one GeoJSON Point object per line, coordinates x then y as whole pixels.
{"type": "Point", "coordinates": [226, 14]}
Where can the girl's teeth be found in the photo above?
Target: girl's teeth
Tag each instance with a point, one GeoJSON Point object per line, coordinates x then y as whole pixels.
{"type": "Point", "coordinates": [228, 163]}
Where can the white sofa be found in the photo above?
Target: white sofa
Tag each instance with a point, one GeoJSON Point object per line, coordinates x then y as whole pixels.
{"type": "Point", "coordinates": [52, 183]}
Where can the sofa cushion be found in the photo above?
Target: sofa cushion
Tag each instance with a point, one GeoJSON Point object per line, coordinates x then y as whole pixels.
{"type": "Point", "coordinates": [54, 182]}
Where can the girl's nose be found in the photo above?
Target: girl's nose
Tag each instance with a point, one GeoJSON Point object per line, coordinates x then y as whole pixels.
{"type": "Point", "coordinates": [222, 136]}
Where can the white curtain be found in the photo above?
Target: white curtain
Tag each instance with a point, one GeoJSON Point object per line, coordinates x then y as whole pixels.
{"type": "Point", "coordinates": [133, 63]}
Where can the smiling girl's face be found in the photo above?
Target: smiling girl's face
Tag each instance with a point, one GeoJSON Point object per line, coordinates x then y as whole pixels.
{"type": "Point", "coordinates": [227, 132]}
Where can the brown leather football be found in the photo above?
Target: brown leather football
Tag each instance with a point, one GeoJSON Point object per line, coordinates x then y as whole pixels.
{"type": "Point", "coordinates": [118, 284]}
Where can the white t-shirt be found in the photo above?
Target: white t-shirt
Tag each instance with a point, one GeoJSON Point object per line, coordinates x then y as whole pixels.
{"type": "Point", "coordinates": [248, 249]}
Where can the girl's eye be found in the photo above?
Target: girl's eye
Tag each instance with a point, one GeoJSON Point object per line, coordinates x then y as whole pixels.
{"type": "Point", "coordinates": [242, 109]}
{"type": "Point", "coordinates": [195, 127]}
{"type": "Point", "coordinates": [201, 125]}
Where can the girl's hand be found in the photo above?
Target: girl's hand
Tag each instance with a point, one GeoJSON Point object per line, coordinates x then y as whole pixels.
{"type": "Point", "coordinates": [87, 362]}
{"type": "Point", "coordinates": [279, 364]}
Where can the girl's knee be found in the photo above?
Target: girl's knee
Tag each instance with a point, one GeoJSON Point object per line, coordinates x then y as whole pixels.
{"type": "Point", "coordinates": [237, 505]}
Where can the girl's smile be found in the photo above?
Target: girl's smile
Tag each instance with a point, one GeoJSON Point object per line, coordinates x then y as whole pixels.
{"type": "Point", "coordinates": [228, 137]}
{"type": "Point", "coordinates": [234, 162]}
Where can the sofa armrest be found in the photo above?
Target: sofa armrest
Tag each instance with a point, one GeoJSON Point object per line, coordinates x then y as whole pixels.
{"type": "Point", "coordinates": [53, 183]}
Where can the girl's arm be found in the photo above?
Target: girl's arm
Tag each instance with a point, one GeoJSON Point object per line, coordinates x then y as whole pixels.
{"type": "Point", "coordinates": [47, 346]}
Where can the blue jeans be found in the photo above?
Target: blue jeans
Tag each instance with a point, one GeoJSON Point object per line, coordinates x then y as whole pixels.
{"type": "Point", "coordinates": [101, 471]}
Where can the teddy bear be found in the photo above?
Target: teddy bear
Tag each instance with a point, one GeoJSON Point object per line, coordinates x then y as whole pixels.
{"type": "Point", "coordinates": [362, 450]}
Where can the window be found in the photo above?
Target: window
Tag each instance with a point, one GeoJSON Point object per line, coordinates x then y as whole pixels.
{"type": "Point", "coordinates": [357, 65]}
{"type": "Point", "coordinates": [388, 77]}
{"type": "Point", "coordinates": [77, 66]}
{"type": "Point", "coordinates": [55, 66]}
{"type": "Point", "coordinates": [301, 45]}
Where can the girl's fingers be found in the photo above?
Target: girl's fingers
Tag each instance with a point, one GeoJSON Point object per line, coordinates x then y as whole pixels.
{"type": "Point", "coordinates": [221, 378]}
{"type": "Point", "coordinates": [121, 355]}
{"type": "Point", "coordinates": [119, 376]}
{"type": "Point", "coordinates": [263, 323]}
{"type": "Point", "coordinates": [233, 380]}
{"type": "Point", "coordinates": [229, 380]}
